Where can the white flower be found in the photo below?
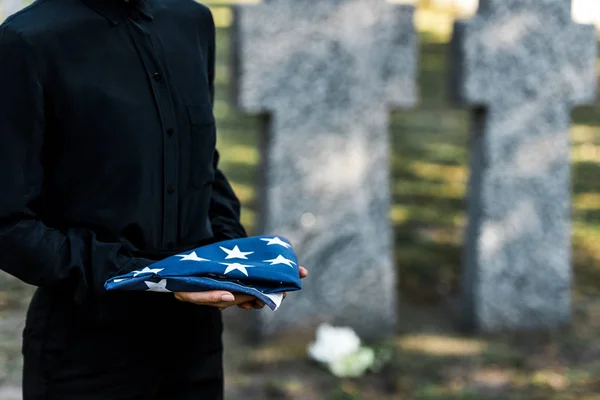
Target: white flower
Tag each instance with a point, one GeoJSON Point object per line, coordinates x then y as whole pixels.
{"type": "Point", "coordinates": [353, 365]}
{"type": "Point", "coordinates": [333, 343]}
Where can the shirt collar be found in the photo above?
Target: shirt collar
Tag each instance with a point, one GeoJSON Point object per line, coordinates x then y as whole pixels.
{"type": "Point", "coordinates": [117, 10]}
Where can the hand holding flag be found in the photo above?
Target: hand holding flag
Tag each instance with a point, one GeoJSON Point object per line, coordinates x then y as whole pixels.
{"type": "Point", "coordinates": [219, 299]}
{"type": "Point", "coordinates": [257, 304]}
{"type": "Point", "coordinates": [256, 268]}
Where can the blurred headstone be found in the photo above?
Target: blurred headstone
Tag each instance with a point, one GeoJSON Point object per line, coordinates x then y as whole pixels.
{"type": "Point", "coordinates": [522, 65]}
{"type": "Point", "coordinates": [328, 72]}
{"type": "Point", "coordinates": [9, 7]}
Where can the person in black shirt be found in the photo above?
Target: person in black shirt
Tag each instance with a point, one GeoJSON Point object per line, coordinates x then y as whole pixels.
{"type": "Point", "coordinates": [108, 163]}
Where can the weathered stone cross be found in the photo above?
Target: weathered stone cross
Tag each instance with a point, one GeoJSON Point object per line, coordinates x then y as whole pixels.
{"type": "Point", "coordinates": [522, 64]}
{"type": "Point", "coordinates": [8, 7]}
{"type": "Point", "coordinates": [327, 71]}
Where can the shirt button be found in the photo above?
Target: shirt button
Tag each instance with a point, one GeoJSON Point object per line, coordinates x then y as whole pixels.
{"type": "Point", "coordinates": [156, 77]}
{"type": "Point", "coordinates": [170, 189]}
{"type": "Point", "coordinates": [170, 131]}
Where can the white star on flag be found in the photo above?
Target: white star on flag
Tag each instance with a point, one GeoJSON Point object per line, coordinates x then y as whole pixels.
{"type": "Point", "coordinates": [281, 260]}
{"type": "Point", "coordinates": [238, 267]}
{"type": "Point", "coordinates": [235, 253]}
{"type": "Point", "coordinates": [157, 287]}
{"type": "Point", "coordinates": [277, 241]}
{"type": "Point", "coordinates": [147, 271]}
{"type": "Point", "coordinates": [191, 257]}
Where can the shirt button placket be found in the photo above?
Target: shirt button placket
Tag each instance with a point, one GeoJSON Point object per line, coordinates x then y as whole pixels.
{"type": "Point", "coordinates": [161, 91]}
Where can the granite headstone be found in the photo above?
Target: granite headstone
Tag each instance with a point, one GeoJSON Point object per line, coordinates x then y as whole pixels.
{"type": "Point", "coordinates": [327, 72]}
{"type": "Point", "coordinates": [522, 65]}
{"type": "Point", "coordinates": [9, 7]}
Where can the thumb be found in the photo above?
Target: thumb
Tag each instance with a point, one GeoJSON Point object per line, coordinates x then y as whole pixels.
{"type": "Point", "coordinates": [226, 296]}
{"type": "Point", "coordinates": [213, 296]}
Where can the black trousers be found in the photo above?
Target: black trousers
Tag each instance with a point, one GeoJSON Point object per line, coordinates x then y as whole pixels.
{"type": "Point", "coordinates": [128, 346]}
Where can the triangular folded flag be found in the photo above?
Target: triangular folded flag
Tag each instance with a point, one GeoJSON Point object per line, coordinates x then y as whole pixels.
{"type": "Point", "coordinates": [261, 266]}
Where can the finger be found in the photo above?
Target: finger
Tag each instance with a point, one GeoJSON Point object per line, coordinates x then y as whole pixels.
{"type": "Point", "coordinates": [210, 297]}
{"type": "Point", "coordinates": [178, 296]}
{"type": "Point", "coordinates": [243, 298]}
{"type": "Point", "coordinates": [258, 305]}
{"type": "Point", "coordinates": [284, 295]}
{"type": "Point", "coordinates": [303, 272]}
{"type": "Point", "coordinates": [255, 304]}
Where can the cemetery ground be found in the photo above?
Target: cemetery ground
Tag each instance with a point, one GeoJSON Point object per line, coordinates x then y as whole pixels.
{"type": "Point", "coordinates": [432, 359]}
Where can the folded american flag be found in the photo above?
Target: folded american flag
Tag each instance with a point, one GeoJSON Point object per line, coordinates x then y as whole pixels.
{"type": "Point", "coordinates": [261, 266]}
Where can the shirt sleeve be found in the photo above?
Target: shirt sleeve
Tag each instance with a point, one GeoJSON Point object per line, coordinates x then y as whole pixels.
{"type": "Point", "coordinates": [29, 249]}
{"type": "Point", "coordinates": [225, 208]}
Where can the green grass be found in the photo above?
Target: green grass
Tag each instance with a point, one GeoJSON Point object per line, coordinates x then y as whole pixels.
{"type": "Point", "coordinates": [429, 184]}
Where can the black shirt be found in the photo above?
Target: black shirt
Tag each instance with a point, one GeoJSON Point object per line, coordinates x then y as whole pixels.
{"type": "Point", "coordinates": [107, 139]}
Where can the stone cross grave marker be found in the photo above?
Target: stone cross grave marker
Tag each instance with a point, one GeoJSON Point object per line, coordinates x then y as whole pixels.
{"type": "Point", "coordinates": [327, 72]}
{"type": "Point", "coordinates": [522, 65]}
{"type": "Point", "coordinates": [9, 7]}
